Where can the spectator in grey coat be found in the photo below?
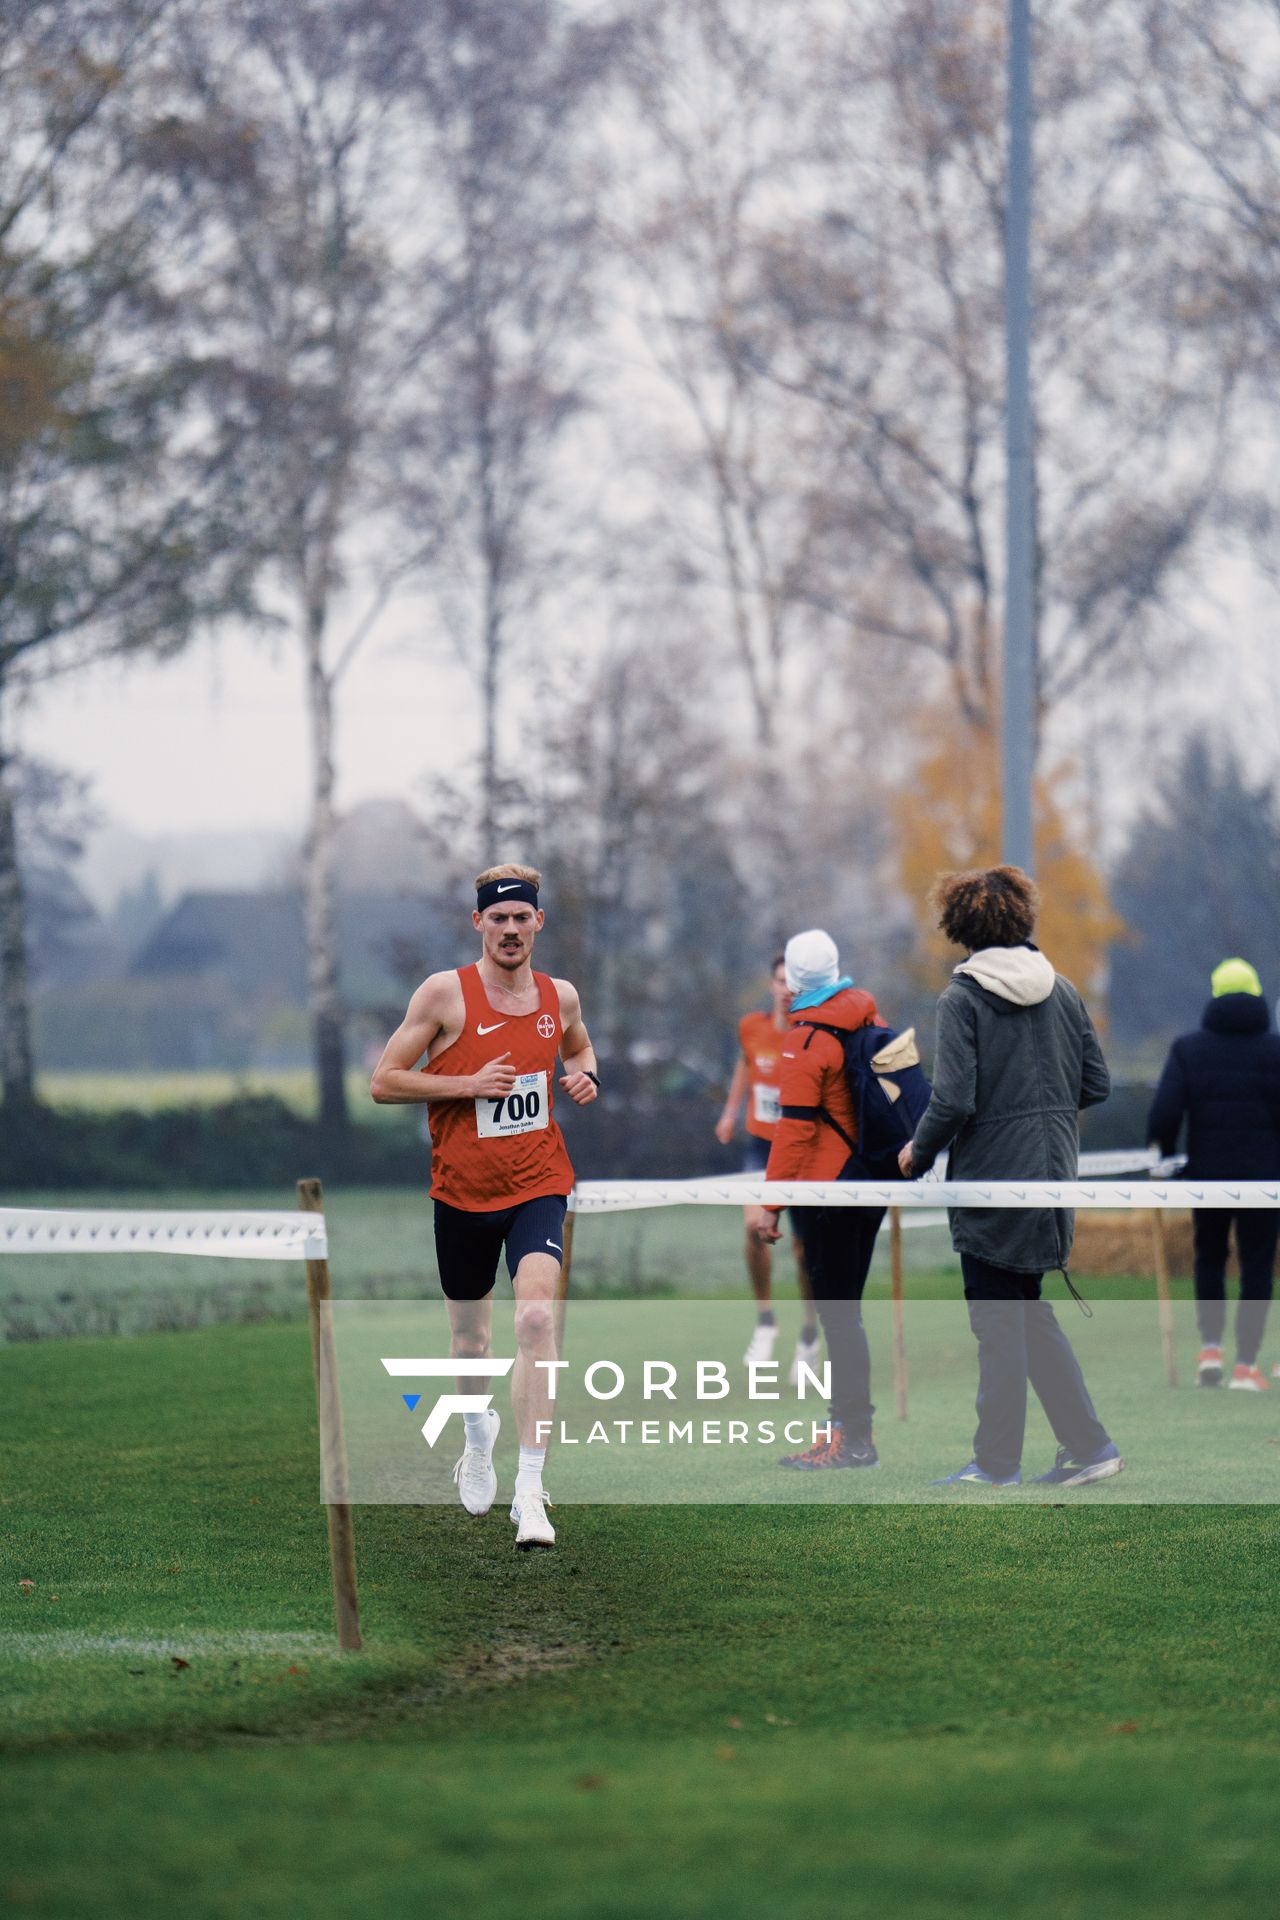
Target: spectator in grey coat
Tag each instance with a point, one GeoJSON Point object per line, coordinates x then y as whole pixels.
{"type": "Point", "coordinates": [1016, 1059]}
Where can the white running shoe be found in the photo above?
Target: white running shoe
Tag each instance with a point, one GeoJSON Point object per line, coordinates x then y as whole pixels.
{"type": "Point", "coordinates": [763, 1341]}
{"type": "Point", "coordinates": [808, 1352]}
{"type": "Point", "coordinates": [529, 1514]}
{"type": "Point", "coordinates": [474, 1477]}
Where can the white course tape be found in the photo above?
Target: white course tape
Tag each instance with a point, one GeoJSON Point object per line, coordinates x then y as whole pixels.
{"type": "Point", "coordinates": [619, 1196]}
{"type": "Point", "coordinates": [1092, 1165]}
{"type": "Point", "coordinates": [218, 1236]}
{"type": "Point", "coordinates": [1124, 1160]}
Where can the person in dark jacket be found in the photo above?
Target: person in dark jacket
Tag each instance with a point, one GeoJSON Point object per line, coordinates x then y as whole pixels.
{"type": "Point", "coordinates": [1225, 1082]}
{"type": "Point", "coordinates": [1016, 1059]}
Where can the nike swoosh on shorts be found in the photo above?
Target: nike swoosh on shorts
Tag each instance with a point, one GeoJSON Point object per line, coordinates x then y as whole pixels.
{"type": "Point", "coordinates": [554, 1248]}
{"type": "Point", "coordinates": [493, 1028]}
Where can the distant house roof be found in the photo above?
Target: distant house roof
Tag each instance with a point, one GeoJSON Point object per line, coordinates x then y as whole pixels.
{"type": "Point", "coordinates": [254, 944]}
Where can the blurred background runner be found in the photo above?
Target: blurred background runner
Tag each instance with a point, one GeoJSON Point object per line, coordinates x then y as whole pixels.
{"type": "Point", "coordinates": [757, 1083]}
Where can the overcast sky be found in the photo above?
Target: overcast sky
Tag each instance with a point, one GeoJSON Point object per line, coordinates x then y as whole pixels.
{"type": "Point", "coordinates": [216, 739]}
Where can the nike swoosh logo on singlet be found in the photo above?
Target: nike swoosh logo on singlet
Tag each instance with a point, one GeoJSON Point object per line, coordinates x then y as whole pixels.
{"type": "Point", "coordinates": [493, 1028]}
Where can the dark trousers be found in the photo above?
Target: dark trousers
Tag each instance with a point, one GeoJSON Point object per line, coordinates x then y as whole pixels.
{"type": "Point", "coordinates": [1256, 1234]}
{"type": "Point", "coordinates": [838, 1244]}
{"type": "Point", "coordinates": [1019, 1339]}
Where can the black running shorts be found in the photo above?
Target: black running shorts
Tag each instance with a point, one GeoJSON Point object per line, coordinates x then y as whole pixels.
{"type": "Point", "coordinates": [468, 1244]}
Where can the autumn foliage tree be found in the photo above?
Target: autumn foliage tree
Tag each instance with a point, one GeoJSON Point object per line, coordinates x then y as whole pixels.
{"type": "Point", "coordinates": [948, 817]}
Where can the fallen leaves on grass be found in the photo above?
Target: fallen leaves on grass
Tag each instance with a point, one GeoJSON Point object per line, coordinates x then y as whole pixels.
{"type": "Point", "coordinates": [726, 1753]}
{"type": "Point", "coordinates": [180, 1665]}
{"type": "Point", "coordinates": [590, 1782]}
{"type": "Point", "coordinates": [1124, 1726]}
{"type": "Point", "coordinates": [26, 1586]}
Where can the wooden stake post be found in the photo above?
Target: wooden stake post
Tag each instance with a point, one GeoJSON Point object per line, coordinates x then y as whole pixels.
{"type": "Point", "coordinates": [333, 1451]}
{"type": "Point", "coordinates": [1160, 1254]}
{"type": "Point", "coordinates": [899, 1335]}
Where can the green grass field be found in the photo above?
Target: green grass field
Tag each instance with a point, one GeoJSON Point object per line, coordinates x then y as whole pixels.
{"type": "Point", "coordinates": [920, 1711]}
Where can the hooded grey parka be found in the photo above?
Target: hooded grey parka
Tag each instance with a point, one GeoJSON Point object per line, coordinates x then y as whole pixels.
{"type": "Point", "coordinates": [1016, 1058]}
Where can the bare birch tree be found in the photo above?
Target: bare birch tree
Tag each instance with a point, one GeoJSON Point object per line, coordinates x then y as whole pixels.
{"type": "Point", "coordinates": [892, 298]}
{"type": "Point", "coordinates": [113, 527]}
{"type": "Point", "coordinates": [504, 95]}
{"type": "Point", "coordinates": [284, 156]}
{"type": "Point", "coordinates": [717, 169]}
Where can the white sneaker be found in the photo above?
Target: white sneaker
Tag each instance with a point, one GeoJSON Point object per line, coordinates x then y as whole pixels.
{"type": "Point", "coordinates": [763, 1341]}
{"type": "Point", "coordinates": [474, 1477]}
{"type": "Point", "coordinates": [529, 1514]}
{"type": "Point", "coordinates": [808, 1352]}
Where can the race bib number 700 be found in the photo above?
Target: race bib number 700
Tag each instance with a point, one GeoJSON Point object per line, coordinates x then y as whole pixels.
{"type": "Point", "coordinates": [524, 1110]}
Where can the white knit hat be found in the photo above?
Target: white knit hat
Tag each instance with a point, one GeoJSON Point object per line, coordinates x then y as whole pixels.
{"type": "Point", "coordinates": [811, 960]}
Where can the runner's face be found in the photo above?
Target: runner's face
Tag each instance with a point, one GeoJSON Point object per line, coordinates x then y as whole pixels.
{"type": "Point", "coordinates": [780, 991]}
{"type": "Point", "coordinates": [508, 933]}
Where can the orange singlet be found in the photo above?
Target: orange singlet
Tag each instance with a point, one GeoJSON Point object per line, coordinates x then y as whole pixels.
{"type": "Point", "coordinates": [762, 1046]}
{"type": "Point", "coordinates": [487, 1154]}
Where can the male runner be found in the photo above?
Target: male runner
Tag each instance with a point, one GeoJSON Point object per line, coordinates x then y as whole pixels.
{"type": "Point", "coordinates": [500, 1174]}
{"type": "Point", "coordinates": [757, 1080]}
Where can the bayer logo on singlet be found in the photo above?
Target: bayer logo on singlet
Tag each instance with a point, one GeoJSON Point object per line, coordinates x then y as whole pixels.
{"type": "Point", "coordinates": [546, 1025]}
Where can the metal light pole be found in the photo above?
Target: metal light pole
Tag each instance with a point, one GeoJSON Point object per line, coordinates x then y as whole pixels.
{"type": "Point", "coordinates": [1019, 698]}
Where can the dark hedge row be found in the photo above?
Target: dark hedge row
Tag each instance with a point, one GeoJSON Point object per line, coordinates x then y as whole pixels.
{"type": "Point", "coordinates": [258, 1141]}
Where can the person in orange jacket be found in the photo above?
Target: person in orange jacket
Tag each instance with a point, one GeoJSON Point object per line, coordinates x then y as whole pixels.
{"type": "Point", "coordinates": [812, 1143]}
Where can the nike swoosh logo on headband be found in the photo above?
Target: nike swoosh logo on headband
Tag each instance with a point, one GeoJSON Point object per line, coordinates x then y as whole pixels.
{"type": "Point", "coordinates": [509, 889]}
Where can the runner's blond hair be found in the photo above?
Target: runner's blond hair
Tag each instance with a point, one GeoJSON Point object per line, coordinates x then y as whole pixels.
{"type": "Point", "coordinates": [509, 872]}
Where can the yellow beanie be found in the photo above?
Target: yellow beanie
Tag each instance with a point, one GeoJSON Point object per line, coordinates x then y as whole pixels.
{"type": "Point", "coordinates": [1235, 976]}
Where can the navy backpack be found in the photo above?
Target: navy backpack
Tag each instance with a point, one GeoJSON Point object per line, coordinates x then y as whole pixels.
{"type": "Point", "coordinates": [888, 1089]}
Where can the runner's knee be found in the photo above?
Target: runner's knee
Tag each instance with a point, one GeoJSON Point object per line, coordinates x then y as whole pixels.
{"type": "Point", "coordinates": [469, 1344]}
{"type": "Point", "coordinates": [535, 1320]}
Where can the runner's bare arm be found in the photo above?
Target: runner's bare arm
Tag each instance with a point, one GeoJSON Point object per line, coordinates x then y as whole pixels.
{"type": "Point", "coordinates": [435, 1008]}
{"type": "Point", "coordinates": [726, 1125]}
{"type": "Point", "coordinates": [576, 1051]}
